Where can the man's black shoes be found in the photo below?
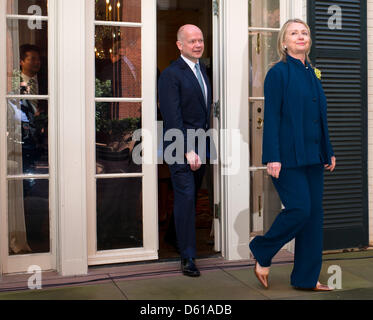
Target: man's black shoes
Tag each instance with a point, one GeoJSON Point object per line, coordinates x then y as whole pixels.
{"type": "Point", "coordinates": [189, 268]}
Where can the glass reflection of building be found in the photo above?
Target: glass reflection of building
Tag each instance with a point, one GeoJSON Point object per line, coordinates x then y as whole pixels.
{"type": "Point", "coordinates": [118, 75]}
{"type": "Point", "coordinates": [118, 116]}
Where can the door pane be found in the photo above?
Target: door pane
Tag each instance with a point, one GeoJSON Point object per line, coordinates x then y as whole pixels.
{"type": "Point", "coordinates": [118, 61]}
{"type": "Point", "coordinates": [256, 132]}
{"type": "Point", "coordinates": [115, 125]}
{"type": "Point", "coordinates": [26, 7]}
{"type": "Point", "coordinates": [264, 13]}
{"type": "Point", "coordinates": [27, 57]}
{"type": "Point", "coordinates": [27, 136]}
{"type": "Point", "coordinates": [118, 10]}
{"type": "Point", "coordinates": [28, 216]}
{"type": "Point", "coordinates": [265, 203]}
{"type": "Point", "coordinates": [262, 53]}
{"type": "Point", "coordinates": [119, 213]}
{"type": "Point", "coordinates": [118, 74]}
{"type": "Point", "coordinates": [27, 128]}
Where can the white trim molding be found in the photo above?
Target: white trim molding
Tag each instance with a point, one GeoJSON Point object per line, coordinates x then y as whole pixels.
{"type": "Point", "coordinates": [291, 9]}
{"type": "Point", "coordinates": [71, 132]}
{"type": "Point", "coordinates": [235, 93]}
{"type": "Point", "coordinates": [3, 125]}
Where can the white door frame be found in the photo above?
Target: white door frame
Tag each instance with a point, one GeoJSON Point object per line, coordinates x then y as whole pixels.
{"type": "Point", "coordinates": [149, 251]}
{"type": "Point", "coordinates": [234, 129]}
{"type": "Point", "coordinates": [216, 84]}
{"type": "Point", "coordinates": [3, 144]}
{"type": "Point", "coordinates": [46, 261]}
{"type": "Point", "coordinates": [72, 223]}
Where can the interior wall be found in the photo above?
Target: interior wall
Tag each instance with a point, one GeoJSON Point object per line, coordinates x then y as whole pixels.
{"type": "Point", "coordinates": [168, 23]}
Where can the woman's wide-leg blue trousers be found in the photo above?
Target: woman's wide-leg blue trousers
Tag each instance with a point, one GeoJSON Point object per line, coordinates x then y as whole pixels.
{"type": "Point", "coordinates": [301, 192]}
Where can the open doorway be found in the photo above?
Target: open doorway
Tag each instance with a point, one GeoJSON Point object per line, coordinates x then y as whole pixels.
{"type": "Point", "coordinates": [171, 14]}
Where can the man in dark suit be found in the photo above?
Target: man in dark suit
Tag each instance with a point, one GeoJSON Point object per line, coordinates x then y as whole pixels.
{"type": "Point", "coordinates": [32, 74]}
{"type": "Point", "coordinates": [34, 123]}
{"type": "Point", "coordinates": [185, 101]}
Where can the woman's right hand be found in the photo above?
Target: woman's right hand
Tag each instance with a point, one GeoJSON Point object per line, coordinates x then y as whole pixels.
{"type": "Point", "coordinates": [273, 169]}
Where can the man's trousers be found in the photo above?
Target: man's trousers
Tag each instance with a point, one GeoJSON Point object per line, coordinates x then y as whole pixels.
{"type": "Point", "coordinates": [185, 184]}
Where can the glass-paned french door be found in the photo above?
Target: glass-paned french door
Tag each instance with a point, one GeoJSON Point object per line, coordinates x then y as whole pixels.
{"type": "Point", "coordinates": [265, 19]}
{"type": "Point", "coordinates": [27, 136]}
{"type": "Point", "coordinates": [121, 101]}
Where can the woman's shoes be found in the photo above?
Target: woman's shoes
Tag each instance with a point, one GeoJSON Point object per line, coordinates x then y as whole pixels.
{"type": "Point", "coordinates": [322, 287]}
{"type": "Point", "coordinates": [263, 278]}
{"type": "Point", "coordinates": [319, 287]}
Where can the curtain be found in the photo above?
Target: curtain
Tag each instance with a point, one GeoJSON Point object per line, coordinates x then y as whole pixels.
{"type": "Point", "coordinates": [16, 212]}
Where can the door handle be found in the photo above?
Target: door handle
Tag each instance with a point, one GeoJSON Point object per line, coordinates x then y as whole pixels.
{"type": "Point", "coordinates": [260, 123]}
{"type": "Point", "coordinates": [260, 205]}
{"type": "Point", "coordinates": [258, 43]}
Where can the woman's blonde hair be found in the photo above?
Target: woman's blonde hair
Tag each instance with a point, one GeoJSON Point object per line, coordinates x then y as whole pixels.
{"type": "Point", "coordinates": [281, 38]}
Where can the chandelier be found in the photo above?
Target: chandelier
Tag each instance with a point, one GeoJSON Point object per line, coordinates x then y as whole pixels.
{"type": "Point", "coordinates": [106, 36]}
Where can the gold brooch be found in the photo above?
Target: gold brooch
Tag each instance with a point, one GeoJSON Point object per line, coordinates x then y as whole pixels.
{"type": "Point", "coordinates": [317, 73]}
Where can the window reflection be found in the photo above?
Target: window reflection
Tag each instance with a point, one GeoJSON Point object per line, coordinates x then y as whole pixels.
{"type": "Point", "coordinates": [27, 136]}
{"type": "Point", "coordinates": [118, 10]}
{"type": "Point", "coordinates": [27, 119]}
{"type": "Point", "coordinates": [119, 213]}
{"type": "Point", "coordinates": [264, 13]}
{"type": "Point", "coordinates": [263, 52]}
{"type": "Point", "coordinates": [265, 203]}
{"type": "Point", "coordinates": [27, 127]}
{"type": "Point", "coordinates": [25, 7]}
{"type": "Point", "coordinates": [262, 44]}
{"type": "Point", "coordinates": [118, 61]}
{"type": "Point", "coordinates": [118, 73]}
{"type": "Point", "coordinates": [115, 125]}
{"type": "Point", "coordinates": [27, 52]}
{"type": "Point", "coordinates": [28, 216]}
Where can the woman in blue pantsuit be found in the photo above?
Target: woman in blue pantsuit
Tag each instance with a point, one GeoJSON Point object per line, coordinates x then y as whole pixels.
{"type": "Point", "coordinates": [296, 150]}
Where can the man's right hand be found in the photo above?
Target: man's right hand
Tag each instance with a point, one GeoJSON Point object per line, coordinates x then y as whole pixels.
{"type": "Point", "coordinates": [194, 160]}
{"type": "Point", "coordinates": [273, 169]}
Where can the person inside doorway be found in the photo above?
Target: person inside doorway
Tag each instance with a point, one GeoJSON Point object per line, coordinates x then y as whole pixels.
{"type": "Point", "coordinates": [32, 110]}
{"type": "Point", "coordinates": [185, 101]}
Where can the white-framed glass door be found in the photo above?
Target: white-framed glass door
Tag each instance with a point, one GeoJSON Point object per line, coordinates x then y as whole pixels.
{"type": "Point", "coordinates": [266, 17]}
{"type": "Point", "coordinates": [265, 20]}
{"type": "Point", "coordinates": [121, 99]}
{"type": "Point", "coordinates": [216, 85]}
{"type": "Point", "coordinates": [27, 136]}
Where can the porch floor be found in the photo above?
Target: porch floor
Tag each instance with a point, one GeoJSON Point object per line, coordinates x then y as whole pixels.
{"type": "Point", "coordinates": [220, 280]}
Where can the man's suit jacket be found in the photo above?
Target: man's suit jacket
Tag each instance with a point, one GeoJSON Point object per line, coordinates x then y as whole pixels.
{"type": "Point", "coordinates": [181, 101]}
{"type": "Point", "coordinates": [43, 84]}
